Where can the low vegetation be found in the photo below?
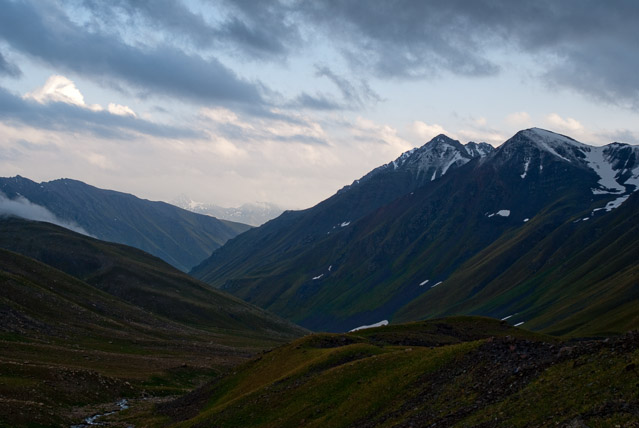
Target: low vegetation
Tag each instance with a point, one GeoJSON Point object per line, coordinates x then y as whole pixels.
{"type": "Point", "coordinates": [463, 371]}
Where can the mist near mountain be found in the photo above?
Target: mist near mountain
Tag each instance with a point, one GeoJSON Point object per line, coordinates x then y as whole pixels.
{"type": "Point", "coordinates": [23, 208]}
{"type": "Point", "coordinates": [177, 236]}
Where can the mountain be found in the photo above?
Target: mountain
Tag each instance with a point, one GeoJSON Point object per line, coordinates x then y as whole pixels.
{"type": "Point", "coordinates": [512, 233]}
{"type": "Point", "coordinates": [254, 214]}
{"type": "Point", "coordinates": [462, 371]}
{"type": "Point", "coordinates": [138, 278]}
{"type": "Point", "coordinates": [92, 322]}
{"type": "Point", "coordinates": [294, 231]}
{"type": "Point", "coordinates": [177, 236]}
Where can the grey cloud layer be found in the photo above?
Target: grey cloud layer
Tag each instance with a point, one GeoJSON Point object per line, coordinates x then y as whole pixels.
{"type": "Point", "coordinates": [52, 37]}
{"type": "Point", "coordinates": [8, 68]}
{"type": "Point", "coordinates": [253, 29]}
{"type": "Point", "coordinates": [586, 45]}
{"type": "Point", "coordinates": [62, 116]}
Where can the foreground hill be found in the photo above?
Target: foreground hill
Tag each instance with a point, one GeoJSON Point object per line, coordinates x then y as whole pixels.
{"type": "Point", "coordinates": [177, 236]}
{"type": "Point", "coordinates": [541, 230]}
{"type": "Point", "coordinates": [94, 322]}
{"type": "Point", "coordinates": [450, 372]}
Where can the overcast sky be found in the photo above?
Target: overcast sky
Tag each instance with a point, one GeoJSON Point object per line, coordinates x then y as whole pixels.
{"type": "Point", "coordinates": [287, 101]}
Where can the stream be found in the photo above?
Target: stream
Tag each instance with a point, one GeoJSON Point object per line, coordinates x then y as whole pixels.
{"type": "Point", "coordinates": [93, 420]}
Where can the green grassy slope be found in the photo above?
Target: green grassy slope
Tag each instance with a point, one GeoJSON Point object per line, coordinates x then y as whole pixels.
{"type": "Point", "coordinates": [140, 279]}
{"type": "Point", "coordinates": [492, 375]}
{"type": "Point", "coordinates": [126, 324]}
{"type": "Point", "coordinates": [576, 277]}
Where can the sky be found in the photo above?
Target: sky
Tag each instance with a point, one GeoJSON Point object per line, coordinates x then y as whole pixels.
{"type": "Point", "coordinates": [239, 101]}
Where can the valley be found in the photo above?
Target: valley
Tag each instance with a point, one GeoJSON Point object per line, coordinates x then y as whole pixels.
{"type": "Point", "coordinates": [458, 285]}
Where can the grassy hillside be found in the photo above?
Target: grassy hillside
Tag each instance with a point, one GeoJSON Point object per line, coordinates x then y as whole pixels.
{"type": "Point", "coordinates": [125, 325]}
{"type": "Point", "coordinates": [570, 277]}
{"type": "Point", "coordinates": [452, 372]}
{"type": "Point", "coordinates": [139, 278]}
{"type": "Point", "coordinates": [177, 236]}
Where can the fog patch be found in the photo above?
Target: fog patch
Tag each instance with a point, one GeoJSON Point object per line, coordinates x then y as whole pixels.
{"type": "Point", "coordinates": [23, 208]}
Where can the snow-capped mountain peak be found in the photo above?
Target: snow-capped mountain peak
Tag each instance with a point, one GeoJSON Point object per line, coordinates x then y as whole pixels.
{"type": "Point", "coordinates": [253, 214]}
{"type": "Point", "coordinates": [433, 159]}
{"type": "Point", "coordinates": [616, 164]}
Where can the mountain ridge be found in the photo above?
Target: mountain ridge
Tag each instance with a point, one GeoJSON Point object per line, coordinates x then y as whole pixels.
{"type": "Point", "coordinates": [364, 269]}
{"type": "Point", "coordinates": [177, 236]}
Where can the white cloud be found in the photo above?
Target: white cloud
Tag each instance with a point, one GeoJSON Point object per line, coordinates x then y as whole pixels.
{"type": "Point", "coordinates": [564, 124]}
{"type": "Point", "coordinates": [120, 110]}
{"type": "Point", "coordinates": [60, 89]}
{"type": "Point", "coordinates": [99, 160]}
{"type": "Point", "coordinates": [481, 135]}
{"type": "Point", "coordinates": [425, 131]}
{"type": "Point", "coordinates": [520, 119]}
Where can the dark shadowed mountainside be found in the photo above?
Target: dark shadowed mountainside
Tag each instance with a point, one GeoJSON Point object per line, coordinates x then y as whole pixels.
{"type": "Point", "coordinates": [179, 237]}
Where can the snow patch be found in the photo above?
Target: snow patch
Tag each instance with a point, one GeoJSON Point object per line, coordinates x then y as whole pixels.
{"type": "Point", "coordinates": [518, 324]}
{"type": "Point", "coordinates": [551, 150]}
{"type": "Point", "coordinates": [318, 277]}
{"type": "Point", "coordinates": [525, 168]}
{"type": "Point", "coordinates": [526, 220]}
{"type": "Point", "coordinates": [455, 158]}
{"type": "Point", "coordinates": [607, 183]}
{"type": "Point", "coordinates": [616, 203]}
{"type": "Point", "coordinates": [423, 283]}
{"type": "Point", "coordinates": [509, 316]}
{"type": "Point", "coordinates": [377, 324]}
{"type": "Point", "coordinates": [344, 224]}
{"type": "Point", "coordinates": [501, 213]}
{"type": "Point", "coordinates": [433, 286]}
{"type": "Point", "coordinates": [330, 268]}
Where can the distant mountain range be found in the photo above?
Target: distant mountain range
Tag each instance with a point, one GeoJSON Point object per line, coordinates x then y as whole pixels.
{"type": "Point", "coordinates": [254, 214]}
{"type": "Point", "coordinates": [177, 236]}
{"type": "Point", "coordinates": [540, 231]}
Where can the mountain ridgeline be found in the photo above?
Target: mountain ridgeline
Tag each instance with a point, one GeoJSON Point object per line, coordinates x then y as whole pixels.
{"type": "Point", "coordinates": [541, 231]}
{"type": "Point", "coordinates": [177, 236]}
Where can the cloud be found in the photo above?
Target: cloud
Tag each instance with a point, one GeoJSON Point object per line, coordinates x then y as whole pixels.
{"type": "Point", "coordinates": [120, 110]}
{"type": "Point", "coordinates": [69, 115]}
{"type": "Point", "coordinates": [354, 95]}
{"type": "Point", "coordinates": [425, 131]}
{"type": "Point", "coordinates": [23, 208]}
{"type": "Point", "coordinates": [405, 39]}
{"type": "Point", "coordinates": [519, 119]}
{"type": "Point", "coordinates": [254, 30]}
{"type": "Point", "coordinates": [283, 128]}
{"type": "Point", "coordinates": [582, 45]}
{"type": "Point", "coordinates": [173, 48]}
{"type": "Point", "coordinates": [564, 125]}
{"type": "Point", "coordinates": [47, 33]}
{"type": "Point", "coordinates": [619, 136]}
{"type": "Point", "coordinates": [60, 89]}
{"type": "Point", "coordinates": [8, 69]}
{"type": "Point", "coordinates": [315, 102]}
